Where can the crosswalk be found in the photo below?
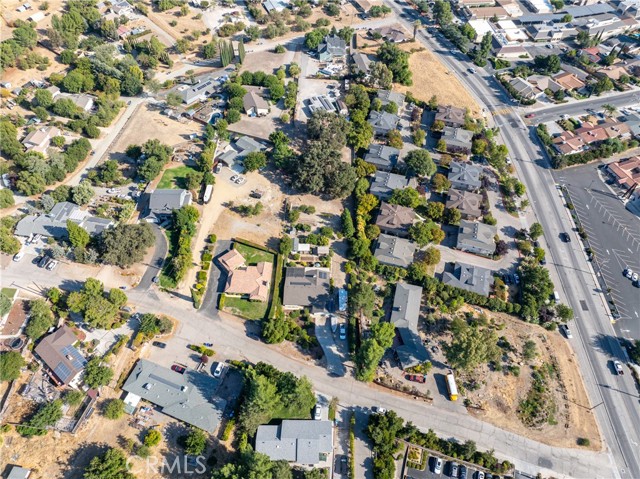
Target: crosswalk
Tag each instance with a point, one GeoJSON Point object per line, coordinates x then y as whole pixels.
{"type": "Point", "coordinates": [501, 111]}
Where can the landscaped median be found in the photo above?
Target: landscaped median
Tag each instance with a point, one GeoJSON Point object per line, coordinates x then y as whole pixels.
{"type": "Point", "coordinates": [241, 305]}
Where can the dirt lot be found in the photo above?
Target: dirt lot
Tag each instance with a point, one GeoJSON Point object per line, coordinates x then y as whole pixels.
{"type": "Point", "coordinates": [430, 77]}
{"type": "Point", "coordinates": [147, 123]}
{"type": "Point", "coordinates": [500, 394]}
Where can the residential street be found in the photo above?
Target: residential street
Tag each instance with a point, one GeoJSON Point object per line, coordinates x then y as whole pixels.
{"type": "Point", "coordinates": [614, 398]}
{"type": "Point", "coordinates": [228, 335]}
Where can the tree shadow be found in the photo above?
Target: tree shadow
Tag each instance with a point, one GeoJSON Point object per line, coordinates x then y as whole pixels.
{"type": "Point", "coordinates": [81, 457]}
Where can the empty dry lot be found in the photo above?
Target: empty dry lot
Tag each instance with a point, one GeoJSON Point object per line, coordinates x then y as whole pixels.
{"type": "Point", "coordinates": [147, 124]}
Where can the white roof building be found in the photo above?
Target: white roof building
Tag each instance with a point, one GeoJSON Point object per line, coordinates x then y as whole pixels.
{"type": "Point", "coordinates": [482, 27]}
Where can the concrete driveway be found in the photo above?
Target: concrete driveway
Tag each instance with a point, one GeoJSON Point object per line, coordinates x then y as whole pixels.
{"type": "Point", "coordinates": [326, 340]}
{"type": "Point", "coordinates": [155, 265]}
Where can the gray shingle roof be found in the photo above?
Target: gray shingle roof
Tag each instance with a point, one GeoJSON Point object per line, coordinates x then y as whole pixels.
{"type": "Point", "coordinates": [395, 219]}
{"type": "Point", "coordinates": [457, 137]}
{"type": "Point", "coordinates": [469, 204]}
{"type": "Point", "coordinates": [59, 354]}
{"type": "Point", "coordinates": [382, 156]}
{"type": "Point", "coordinates": [384, 183]}
{"type": "Point", "coordinates": [163, 202]}
{"type": "Point", "coordinates": [383, 122]}
{"type": "Point", "coordinates": [241, 148]}
{"type": "Point", "coordinates": [332, 46]}
{"type": "Point", "coordinates": [18, 472]}
{"type": "Point", "coordinates": [361, 61]}
{"type": "Point", "coordinates": [388, 96]}
{"type": "Point", "coordinates": [188, 397]}
{"type": "Point", "coordinates": [464, 175]}
{"type": "Point", "coordinates": [476, 237]}
{"type": "Point", "coordinates": [404, 316]}
{"type": "Point", "coordinates": [54, 223]}
{"type": "Point", "coordinates": [307, 287]}
{"type": "Point", "coordinates": [298, 441]}
{"type": "Point", "coordinates": [394, 251]}
{"type": "Point", "coordinates": [472, 278]}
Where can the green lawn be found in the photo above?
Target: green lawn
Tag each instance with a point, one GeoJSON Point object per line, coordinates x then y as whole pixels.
{"type": "Point", "coordinates": [175, 178]}
{"type": "Point", "coordinates": [253, 255]}
{"type": "Point", "coordinates": [245, 308]}
{"type": "Point", "coordinates": [9, 292]}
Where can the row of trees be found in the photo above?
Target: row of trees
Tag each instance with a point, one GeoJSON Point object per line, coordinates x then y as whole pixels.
{"type": "Point", "coordinates": [183, 230]}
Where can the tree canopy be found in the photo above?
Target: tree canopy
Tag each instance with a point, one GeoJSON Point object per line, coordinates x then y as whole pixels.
{"type": "Point", "coordinates": [11, 362]}
{"type": "Point", "coordinates": [126, 244]}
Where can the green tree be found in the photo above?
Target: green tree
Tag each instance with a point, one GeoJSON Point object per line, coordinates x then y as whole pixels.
{"type": "Point", "coordinates": [255, 160]}
{"type": "Point", "coordinates": [432, 256]}
{"type": "Point", "coordinates": [73, 397]}
{"type": "Point", "coordinates": [409, 197]}
{"type": "Point", "coordinates": [442, 12]}
{"type": "Point", "coordinates": [420, 162]}
{"type": "Point", "coordinates": [5, 303]}
{"type": "Point", "coordinates": [112, 465]}
{"type": "Point", "coordinates": [78, 236]}
{"type": "Point", "coordinates": [471, 346]}
{"type": "Point", "coordinates": [564, 312]}
{"type": "Point", "coordinates": [152, 438]}
{"type": "Point", "coordinates": [435, 210]}
{"type": "Point", "coordinates": [535, 231]}
{"type": "Point", "coordinates": [529, 350]}
{"type": "Point", "coordinates": [126, 244]}
{"type": "Point", "coordinates": [348, 229]}
{"type": "Point", "coordinates": [40, 319]}
{"type": "Point", "coordinates": [394, 139]}
{"type": "Point", "coordinates": [440, 183]}
{"type": "Point", "coordinates": [82, 193]}
{"type": "Point", "coordinates": [173, 99]}
{"type": "Point", "coordinates": [196, 442]}
{"type": "Point", "coordinates": [426, 232]}
{"type": "Point", "coordinates": [452, 216]}
{"type": "Point", "coordinates": [47, 415]}
{"type": "Point", "coordinates": [114, 409]}
{"type": "Point", "coordinates": [96, 374]}
{"type": "Point", "coordinates": [11, 362]}
{"type": "Point", "coordinates": [43, 97]}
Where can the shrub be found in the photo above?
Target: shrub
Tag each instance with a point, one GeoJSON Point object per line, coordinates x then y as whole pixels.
{"type": "Point", "coordinates": [153, 438]}
{"type": "Point", "coordinates": [114, 409]}
{"type": "Point", "coordinates": [583, 441]}
{"type": "Point", "coordinates": [213, 238]}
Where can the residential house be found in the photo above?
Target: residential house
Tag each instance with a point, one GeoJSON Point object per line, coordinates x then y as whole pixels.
{"type": "Point", "coordinates": [525, 89]}
{"type": "Point", "coordinates": [190, 397]}
{"type": "Point", "coordinates": [54, 90]}
{"type": "Point", "coordinates": [254, 104]}
{"type": "Point", "coordinates": [395, 219]}
{"type": "Point", "coordinates": [383, 122]}
{"type": "Point", "coordinates": [613, 72]}
{"type": "Point", "coordinates": [363, 5]}
{"type": "Point", "coordinates": [360, 63]}
{"type": "Point", "coordinates": [54, 223]}
{"type": "Point", "coordinates": [391, 34]}
{"type": "Point", "coordinates": [36, 17]}
{"type": "Point", "coordinates": [393, 251]}
{"type": "Point", "coordinates": [383, 157]}
{"type": "Point", "coordinates": [306, 287]}
{"type": "Point", "coordinates": [543, 83]}
{"type": "Point", "coordinates": [325, 103]}
{"type": "Point", "coordinates": [331, 48]}
{"type": "Point", "coordinates": [275, 5]}
{"type": "Point", "coordinates": [468, 204]}
{"type": "Point", "coordinates": [198, 92]}
{"type": "Point", "coordinates": [469, 277]}
{"type": "Point", "coordinates": [568, 142]}
{"type": "Point", "coordinates": [235, 154]}
{"type": "Point", "coordinates": [385, 183]}
{"type": "Point", "coordinates": [633, 123]}
{"type": "Point", "coordinates": [464, 176]}
{"type": "Point", "coordinates": [569, 81]}
{"type": "Point", "coordinates": [404, 316]}
{"type": "Point", "coordinates": [121, 7]}
{"type": "Point", "coordinates": [40, 139]}
{"type": "Point", "coordinates": [458, 140]}
{"type": "Point", "coordinates": [163, 202]}
{"type": "Point", "coordinates": [626, 172]}
{"type": "Point", "coordinates": [478, 238]}
{"type": "Point", "coordinates": [251, 281]}
{"type": "Point", "coordinates": [13, 322]}
{"type": "Point", "coordinates": [63, 361]}
{"type": "Point", "coordinates": [451, 116]}
{"type": "Point", "coordinates": [592, 53]}
{"type": "Point", "coordinates": [390, 96]}
{"type": "Point", "coordinates": [82, 101]}
{"type": "Point", "coordinates": [303, 442]}
{"type": "Point", "coordinates": [17, 472]}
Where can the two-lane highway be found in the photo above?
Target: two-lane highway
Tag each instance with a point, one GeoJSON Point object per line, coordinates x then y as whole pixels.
{"type": "Point", "coordinates": [614, 399]}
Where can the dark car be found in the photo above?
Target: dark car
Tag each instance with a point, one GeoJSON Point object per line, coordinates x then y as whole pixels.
{"type": "Point", "coordinates": [343, 464]}
{"type": "Point", "coordinates": [565, 237]}
{"type": "Point", "coordinates": [178, 369]}
{"type": "Point", "coordinates": [463, 472]}
{"type": "Point", "coordinates": [36, 260]}
{"type": "Point", "coordinates": [159, 344]}
{"type": "Point", "coordinates": [43, 262]}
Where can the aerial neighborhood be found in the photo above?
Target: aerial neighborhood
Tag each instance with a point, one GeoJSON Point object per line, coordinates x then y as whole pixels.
{"type": "Point", "coordinates": [319, 239]}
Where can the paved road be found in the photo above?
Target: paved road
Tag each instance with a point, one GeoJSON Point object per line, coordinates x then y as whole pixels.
{"type": "Point", "coordinates": [229, 338]}
{"type": "Point", "coordinates": [614, 398]}
{"type": "Point", "coordinates": [619, 100]}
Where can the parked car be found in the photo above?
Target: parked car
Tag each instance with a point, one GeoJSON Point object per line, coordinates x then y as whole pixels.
{"type": "Point", "coordinates": [344, 463]}
{"type": "Point", "coordinates": [155, 279]}
{"type": "Point", "coordinates": [617, 365]}
{"type": "Point", "coordinates": [634, 277]}
{"type": "Point", "coordinates": [36, 260]}
{"type": "Point", "coordinates": [378, 410]}
{"type": "Point", "coordinates": [127, 309]}
{"type": "Point", "coordinates": [51, 265]}
{"type": "Point", "coordinates": [218, 370]}
{"type": "Point", "coordinates": [567, 331]}
{"type": "Point", "coordinates": [159, 344]}
{"type": "Point", "coordinates": [530, 115]}
{"type": "Point", "coordinates": [453, 469]}
{"type": "Point", "coordinates": [343, 331]}
{"type": "Point", "coordinates": [463, 471]}
{"type": "Point", "coordinates": [418, 378]}
{"type": "Point", "coordinates": [480, 475]}
{"type": "Point", "coordinates": [437, 465]}
{"type": "Point", "coordinates": [240, 180]}
{"type": "Point", "coordinates": [565, 237]}
{"type": "Point", "coordinates": [317, 413]}
{"type": "Point", "coordinates": [178, 369]}
{"type": "Point", "coordinates": [234, 178]}
{"type": "Point", "coordinates": [628, 273]}
{"type": "Point", "coordinates": [18, 256]}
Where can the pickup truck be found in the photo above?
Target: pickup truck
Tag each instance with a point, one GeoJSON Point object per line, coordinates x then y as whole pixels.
{"type": "Point", "coordinates": [617, 365]}
{"type": "Point", "coordinates": [418, 378]}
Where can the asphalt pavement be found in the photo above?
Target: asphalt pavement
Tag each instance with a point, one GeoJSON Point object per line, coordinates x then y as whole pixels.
{"type": "Point", "coordinates": [613, 398]}
{"type": "Point", "coordinates": [159, 254]}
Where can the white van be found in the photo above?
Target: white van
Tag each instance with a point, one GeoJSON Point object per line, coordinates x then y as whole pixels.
{"type": "Point", "coordinates": [556, 296]}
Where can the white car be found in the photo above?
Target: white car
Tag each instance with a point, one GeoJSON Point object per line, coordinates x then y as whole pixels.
{"type": "Point", "coordinates": [567, 332]}
{"type": "Point", "coordinates": [634, 277]}
{"type": "Point", "coordinates": [317, 413]}
{"type": "Point", "coordinates": [234, 178]}
{"type": "Point", "coordinates": [240, 180]}
{"type": "Point", "coordinates": [628, 273]}
{"type": "Point", "coordinates": [378, 410]}
{"type": "Point", "coordinates": [111, 191]}
{"type": "Point", "coordinates": [18, 256]}
{"type": "Point", "coordinates": [219, 370]}
{"type": "Point", "coordinates": [51, 265]}
{"type": "Point", "coordinates": [437, 465]}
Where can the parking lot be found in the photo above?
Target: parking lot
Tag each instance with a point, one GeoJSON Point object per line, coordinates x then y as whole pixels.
{"type": "Point", "coordinates": [614, 235]}
{"type": "Point", "coordinates": [446, 470]}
